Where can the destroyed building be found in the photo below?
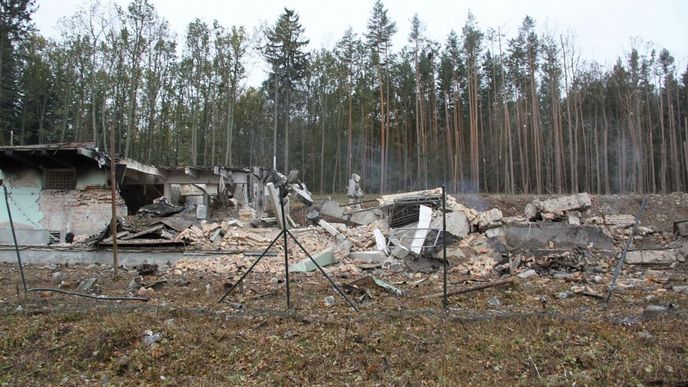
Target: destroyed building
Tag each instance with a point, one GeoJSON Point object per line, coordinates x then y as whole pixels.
{"type": "Point", "coordinates": [54, 190]}
{"type": "Point", "coordinates": [57, 191]}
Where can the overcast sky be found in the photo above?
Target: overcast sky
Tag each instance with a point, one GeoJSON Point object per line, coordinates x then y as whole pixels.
{"type": "Point", "coordinates": [604, 29]}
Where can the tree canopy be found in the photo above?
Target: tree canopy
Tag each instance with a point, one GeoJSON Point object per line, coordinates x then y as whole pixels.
{"type": "Point", "coordinates": [479, 111]}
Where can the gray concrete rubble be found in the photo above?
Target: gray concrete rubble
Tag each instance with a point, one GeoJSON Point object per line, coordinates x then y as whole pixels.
{"type": "Point", "coordinates": [659, 257]}
{"type": "Point", "coordinates": [563, 238]}
{"type": "Point", "coordinates": [619, 220]}
{"type": "Point", "coordinates": [457, 223]}
{"type": "Point", "coordinates": [556, 235]}
{"type": "Point", "coordinates": [489, 219]}
{"type": "Point", "coordinates": [559, 205]}
{"type": "Point", "coordinates": [368, 256]}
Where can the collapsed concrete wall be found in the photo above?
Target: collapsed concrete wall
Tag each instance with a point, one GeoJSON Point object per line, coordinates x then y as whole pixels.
{"type": "Point", "coordinates": [42, 215]}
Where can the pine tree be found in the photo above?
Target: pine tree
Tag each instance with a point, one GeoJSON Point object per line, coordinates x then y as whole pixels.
{"type": "Point", "coordinates": [379, 38]}
{"type": "Point", "coordinates": [284, 53]}
{"type": "Point", "coordinates": [15, 23]}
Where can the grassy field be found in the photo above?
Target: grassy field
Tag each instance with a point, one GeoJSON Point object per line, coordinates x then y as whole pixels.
{"type": "Point", "coordinates": [49, 339]}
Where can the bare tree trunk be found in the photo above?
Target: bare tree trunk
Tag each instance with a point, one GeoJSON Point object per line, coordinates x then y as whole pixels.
{"type": "Point", "coordinates": [322, 144]}
{"type": "Point", "coordinates": [286, 132]}
{"type": "Point", "coordinates": [605, 154]}
{"type": "Point", "coordinates": [573, 186]}
{"type": "Point", "coordinates": [663, 150]}
{"type": "Point", "coordinates": [382, 128]}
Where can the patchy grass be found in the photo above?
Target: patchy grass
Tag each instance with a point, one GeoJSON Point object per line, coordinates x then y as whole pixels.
{"type": "Point", "coordinates": [63, 340]}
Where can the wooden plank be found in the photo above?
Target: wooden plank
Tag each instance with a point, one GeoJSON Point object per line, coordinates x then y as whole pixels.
{"type": "Point", "coordinates": [144, 242]}
{"type": "Point", "coordinates": [138, 234]}
{"type": "Point", "coordinates": [119, 235]}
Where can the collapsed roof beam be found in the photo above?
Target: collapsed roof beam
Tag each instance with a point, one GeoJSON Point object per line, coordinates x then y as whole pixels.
{"type": "Point", "coordinates": [142, 173]}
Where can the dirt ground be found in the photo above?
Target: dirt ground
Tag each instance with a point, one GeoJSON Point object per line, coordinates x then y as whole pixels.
{"type": "Point", "coordinates": [525, 333]}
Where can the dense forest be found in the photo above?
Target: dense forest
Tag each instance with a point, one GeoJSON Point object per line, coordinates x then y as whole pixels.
{"type": "Point", "coordinates": [479, 111]}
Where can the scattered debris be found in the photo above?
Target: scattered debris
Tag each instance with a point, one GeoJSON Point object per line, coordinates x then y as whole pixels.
{"type": "Point", "coordinates": [370, 283]}
{"type": "Point", "coordinates": [150, 338]}
{"type": "Point", "coordinates": [472, 288]}
{"type": "Point", "coordinates": [147, 269]}
{"type": "Point", "coordinates": [86, 285]}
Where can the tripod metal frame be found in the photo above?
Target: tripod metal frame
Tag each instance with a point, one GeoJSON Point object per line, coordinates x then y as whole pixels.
{"type": "Point", "coordinates": [283, 234]}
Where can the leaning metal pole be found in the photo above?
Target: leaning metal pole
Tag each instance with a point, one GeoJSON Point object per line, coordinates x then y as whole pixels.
{"type": "Point", "coordinates": [285, 230]}
{"type": "Point", "coordinates": [14, 236]}
{"type": "Point", "coordinates": [445, 300]}
{"type": "Point", "coordinates": [619, 264]}
{"type": "Point", "coordinates": [113, 194]}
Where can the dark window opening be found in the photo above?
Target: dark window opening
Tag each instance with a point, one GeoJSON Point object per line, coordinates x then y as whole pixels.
{"type": "Point", "coordinates": [64, 179]}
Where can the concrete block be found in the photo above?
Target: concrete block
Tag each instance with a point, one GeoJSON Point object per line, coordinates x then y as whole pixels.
{"type": "Point", "coordinates": [365, 217]}
{"type": "Point", "coordinates": [368, 256]}
{"type": "Point", "coordinates": [562, 235]}
{"type": "Point", "coordinates": [573, 219]}
{"type": "Point", "coordinates": [201, 211]}
{"type": "Point", "coordinates": [619, 220]}
{"type": "Point", "coordinates": [651, 257]}
{"type": "Point", "coordinates": [494, 232]}
{"type": "Point", "coordinates": [558, 205]}
{"type": "Point", "coordinates": [457, 224]}
{"type": "Point", "coordinates": [323, 258]}
{"type": "Point", "coordinates": [332, 208]}
{"type": "Point", "coordinates": [393, 265]}
{"type": "Point", "coordinates": [400, 251]}
{"type": "Point", "coordinates": [488, 218]}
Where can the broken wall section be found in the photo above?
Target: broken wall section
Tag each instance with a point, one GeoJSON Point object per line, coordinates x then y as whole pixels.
{"type": "Point", "coordinates": [43, 216]}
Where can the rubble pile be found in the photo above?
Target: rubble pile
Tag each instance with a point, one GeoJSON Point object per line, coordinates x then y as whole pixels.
{"type": "Point", "coordinates": [559, 237]}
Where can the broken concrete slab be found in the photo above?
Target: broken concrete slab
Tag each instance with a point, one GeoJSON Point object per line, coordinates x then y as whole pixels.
{"type": "Point", "coordinates": [86, 284]}
{"type": "Point", "coordinates": [368, 256]}
{"type": "Point", "coordinates": [201, 212]}
{"type": "Point", "coordinates": [365, 217]}
{"type": "Point", "coordinates": [556, 235]}
{"type": "Point", "coordinates": [323, 258]}
{"type": "Point", "coordinates": [573, 218]}
{"type": "Point", "coordinates": [392, 265]}
{"type": "Point", "coordinates": [380, 242]}
{"type": "Point", "coordinates": [400, 251]}
{"type": "Point", "coordinates": [580, 201]}
{"type": "Point", "coordinates": [494, 232]}
{"type": "Point", "coordinates": [457, 224]}
{"type": "Point", "coordinates": [332, 208]}
{"type": "Point", "coordinates": [659, 257]}
{"type": "Point", "coordinates": [489, 219]}
{"type": "Point", "coordinates": [424, 219]}
{"type": "Point", "coordinates": [423, 264]}
{"type": "Point", "coordinates": [623, 220]}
